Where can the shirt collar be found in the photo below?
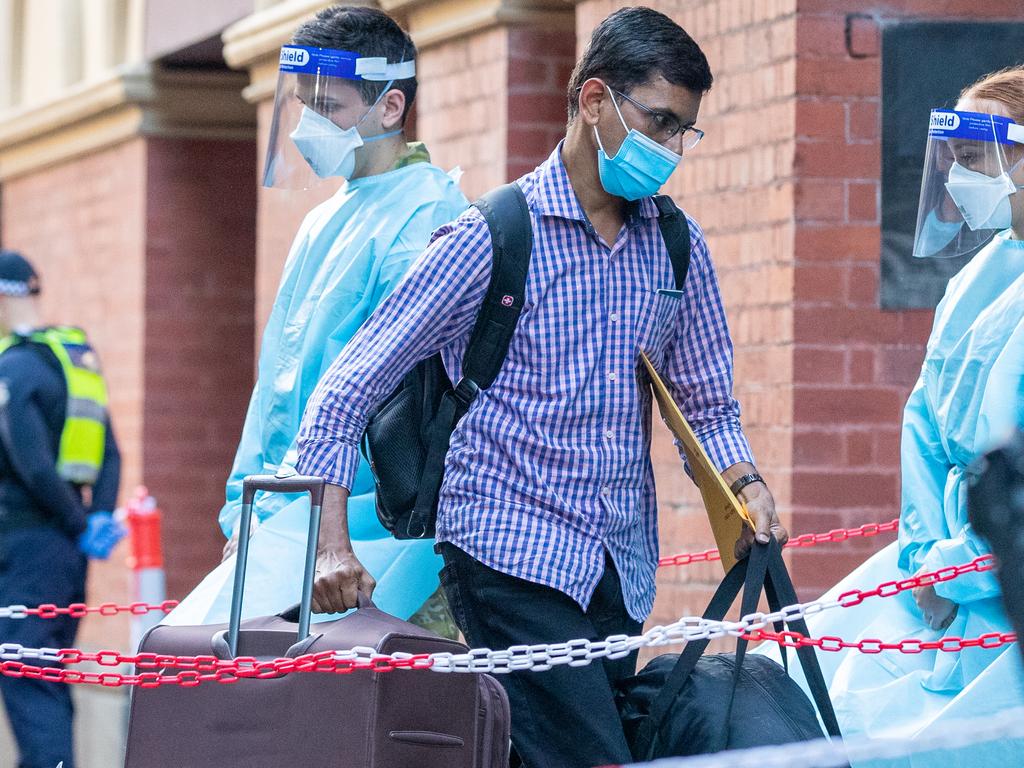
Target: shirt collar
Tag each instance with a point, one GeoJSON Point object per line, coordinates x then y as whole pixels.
{"type": "Point", "coordinates": [555, 195]}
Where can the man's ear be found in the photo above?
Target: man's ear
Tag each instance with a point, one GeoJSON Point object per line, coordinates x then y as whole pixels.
{"type": "Point", "coordinates": [592, 96]}
{"type": "Point", "coordinates": [394, 108]}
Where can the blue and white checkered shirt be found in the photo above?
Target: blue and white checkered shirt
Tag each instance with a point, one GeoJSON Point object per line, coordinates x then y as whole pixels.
{"type": "Point", "coordinates": [551, 465]}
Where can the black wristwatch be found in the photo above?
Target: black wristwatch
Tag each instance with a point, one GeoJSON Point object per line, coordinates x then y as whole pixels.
{"type": "Point", "coordinates": [744, 481]}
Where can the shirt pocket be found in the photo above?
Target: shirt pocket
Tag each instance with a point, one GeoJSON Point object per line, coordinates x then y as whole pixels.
{"type": "Point", "coordinates": [659, 315]}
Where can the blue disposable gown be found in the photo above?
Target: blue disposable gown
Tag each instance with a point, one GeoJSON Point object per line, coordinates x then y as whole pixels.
{"type": "Point", "coordinates": [967, 400]}
{"type": "Point", "coordinates": [349, 254]}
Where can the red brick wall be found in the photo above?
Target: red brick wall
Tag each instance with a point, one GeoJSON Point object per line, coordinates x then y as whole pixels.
{"type": "Point", "coordinates": [539, 66]}
{"type": "Point", "coordinates": [199, 338]}
{"type": "Point", "coordinates": [462, 106]}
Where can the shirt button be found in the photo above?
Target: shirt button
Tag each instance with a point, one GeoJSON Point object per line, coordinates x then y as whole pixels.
{"type": "Point", "coordinates": [609, 434]}
{"type": "Point", "coordinates": [605, 490]}
{"type": "Point", "coordinates": [614, 317]}
{"type": "Point", "coordinates": [611, 376]}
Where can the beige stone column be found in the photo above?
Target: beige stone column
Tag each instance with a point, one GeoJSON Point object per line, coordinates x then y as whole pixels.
{"type": "Point", "coordinates": [10, 52]}
{"type": "Point", "coordinates": [104, 36]}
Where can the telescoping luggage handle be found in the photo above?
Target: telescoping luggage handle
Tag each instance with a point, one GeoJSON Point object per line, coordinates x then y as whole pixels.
{"type": "Point", "coordinates": [314, 486]}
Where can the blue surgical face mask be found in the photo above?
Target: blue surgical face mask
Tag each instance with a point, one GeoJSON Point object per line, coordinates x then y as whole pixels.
{"type": "Point", "coordinates": [641, 166]}
{"type": "Point", "coordinates": [330, 150]}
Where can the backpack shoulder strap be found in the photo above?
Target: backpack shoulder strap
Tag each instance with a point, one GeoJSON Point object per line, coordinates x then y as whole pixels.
{"type": "Point", "coordinates": [675, 231]}
{"type": "Point", "coordinates": [508, 218]}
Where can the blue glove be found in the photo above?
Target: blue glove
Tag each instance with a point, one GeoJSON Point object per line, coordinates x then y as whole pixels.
{"type": "Point", "coordinates": [101, 535]}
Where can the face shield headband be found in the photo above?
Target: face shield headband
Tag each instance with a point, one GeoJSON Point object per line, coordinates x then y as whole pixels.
{"type": "Point", "coordinates": [305, 144]}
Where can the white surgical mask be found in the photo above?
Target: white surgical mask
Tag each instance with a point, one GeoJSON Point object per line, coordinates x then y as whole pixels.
{"type": "Point", "coordinates": [984, 201]}
{"type": "Point", "coordinates": [330, 150]}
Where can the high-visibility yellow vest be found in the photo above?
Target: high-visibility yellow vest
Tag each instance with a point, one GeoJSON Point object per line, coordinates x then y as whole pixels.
{"type": "Point", "coordinates": [83, 439]}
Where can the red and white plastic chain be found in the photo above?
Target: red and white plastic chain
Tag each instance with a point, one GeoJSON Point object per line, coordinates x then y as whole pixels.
{"type": "Point", "coordinates": [199, 669]}
{"type": "Point", "coordinates": [80, 610]}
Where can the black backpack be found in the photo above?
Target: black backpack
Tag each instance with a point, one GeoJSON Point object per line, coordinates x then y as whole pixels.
{"type": "Point", "coordinates": [690, 704]}
{"type": "Point", "coordinates": [407, 436]}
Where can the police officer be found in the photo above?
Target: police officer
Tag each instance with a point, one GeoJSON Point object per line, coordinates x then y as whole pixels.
{"type": "Point", "coordinates": [59, 474]}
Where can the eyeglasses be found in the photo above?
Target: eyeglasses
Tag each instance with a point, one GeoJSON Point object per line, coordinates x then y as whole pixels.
{"type": "Point", "coordinates": [662, 126]}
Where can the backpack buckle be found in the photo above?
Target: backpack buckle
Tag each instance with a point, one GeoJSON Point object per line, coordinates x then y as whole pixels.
{"type": "Point", "coordinates": [465, 391]}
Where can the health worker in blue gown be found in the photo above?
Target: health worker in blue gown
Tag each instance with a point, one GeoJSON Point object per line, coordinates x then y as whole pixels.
{"type": "Point", "coordinates": [346, 84]}
{"type": "Point", "coordinates": [969, 397]}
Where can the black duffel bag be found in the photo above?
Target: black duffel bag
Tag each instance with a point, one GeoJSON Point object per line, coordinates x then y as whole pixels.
{"type": "Point", "coordinates": [691, 704]}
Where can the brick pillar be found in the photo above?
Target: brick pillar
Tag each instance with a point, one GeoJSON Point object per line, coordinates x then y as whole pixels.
{"type": "Point", "coordinates": [144, 237]}
{"type": "Point", "coordinates": [198, 338]}
{"type": "Point", "coordinates": [491, 85]}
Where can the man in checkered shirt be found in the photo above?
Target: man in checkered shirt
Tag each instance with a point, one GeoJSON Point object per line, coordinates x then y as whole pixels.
{"type": "Point", "coordinates": [547, 518]}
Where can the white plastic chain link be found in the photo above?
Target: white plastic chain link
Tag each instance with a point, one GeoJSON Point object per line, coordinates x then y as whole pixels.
{"type": "Point", "coordinates": [14, 612]}
{"type": "Point", "coordinates": [823, 753]}
{"type": "Point", "coordinates": [17, 652]}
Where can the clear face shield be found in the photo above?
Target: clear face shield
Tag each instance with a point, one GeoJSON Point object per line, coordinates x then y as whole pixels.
{"type": "Point", "coordinates": [318, 109]}
{"type": "Point", "coordinates": [969, 165]}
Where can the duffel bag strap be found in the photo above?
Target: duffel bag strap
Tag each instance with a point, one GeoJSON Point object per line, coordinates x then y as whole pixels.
{"type": "Point", "coordinates": [755, 583]}
{"type": "Point", "coordinates": [723, 599]}
{"type": "Point", "coordinates": [785, 592]}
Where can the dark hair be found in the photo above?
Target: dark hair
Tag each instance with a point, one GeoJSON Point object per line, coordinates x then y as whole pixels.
{"type": "Point", "coordinates": [368, 32]}
{"type": "Point", "coordinates": [632, 47]}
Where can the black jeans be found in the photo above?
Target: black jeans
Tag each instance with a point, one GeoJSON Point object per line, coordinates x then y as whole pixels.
{"type": "Point", "coordinates": [564, 717]}
{"type": "Point", "coordinates": [40, 565]}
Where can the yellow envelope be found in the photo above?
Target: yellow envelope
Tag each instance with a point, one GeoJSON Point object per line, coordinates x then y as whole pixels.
{"type": "Point", "coordinates": [725, 512]}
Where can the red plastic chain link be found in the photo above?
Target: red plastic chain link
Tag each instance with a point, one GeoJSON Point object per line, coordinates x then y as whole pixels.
{"type": "Point", "coordinates": [246, 666]}
{"type": "Point", "coordinates": [79, 610]}
{"type": "Point", "coordinates": [198, 669]}
{"type": "Point", "coordinates": [804, 540]}
{"type": "Point", "coordinates": [889, 589]}
{"type": "Point", "coordinates": [908, 646]}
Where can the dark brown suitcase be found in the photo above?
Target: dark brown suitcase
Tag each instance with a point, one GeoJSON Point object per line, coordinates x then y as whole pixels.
{"type": "Point", "coordinates": [415, 718]}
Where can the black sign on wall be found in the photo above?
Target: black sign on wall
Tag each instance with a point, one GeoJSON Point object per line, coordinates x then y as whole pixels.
{"type": "Point", "coordinates": [925, 65]}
